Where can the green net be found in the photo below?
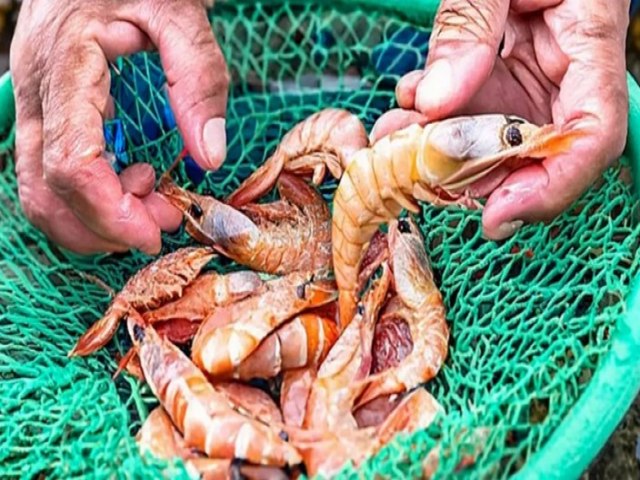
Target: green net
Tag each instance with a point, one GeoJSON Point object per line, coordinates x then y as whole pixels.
{"type": "Point", "coordinates": [531, 317]}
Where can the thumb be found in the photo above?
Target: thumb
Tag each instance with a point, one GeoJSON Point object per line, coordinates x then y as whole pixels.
{"type": "Point", "coordinates": [197, 76]}
{"type": "Point", "coordinates": [462, 53]}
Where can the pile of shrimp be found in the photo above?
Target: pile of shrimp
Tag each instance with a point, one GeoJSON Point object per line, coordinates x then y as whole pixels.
{"type": "Point", "coordinates": [346, 319]}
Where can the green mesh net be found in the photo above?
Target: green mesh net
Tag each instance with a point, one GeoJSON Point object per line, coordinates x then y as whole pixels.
{"type": "Point", "coordinates": [531, 317]}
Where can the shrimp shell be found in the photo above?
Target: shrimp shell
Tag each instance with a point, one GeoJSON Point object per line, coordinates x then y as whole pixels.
{"type": "Point", "coordinates": [205, 416]}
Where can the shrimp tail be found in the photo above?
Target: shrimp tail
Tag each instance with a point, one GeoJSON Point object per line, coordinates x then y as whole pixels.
{"type": "Point", "coordinates": [102, 331]}
{"type": "Point", "coordinates": [259, 183]}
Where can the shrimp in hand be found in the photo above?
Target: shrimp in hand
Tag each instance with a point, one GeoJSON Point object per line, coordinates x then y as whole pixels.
{"type": "Point", "coordinates": [437, 163]}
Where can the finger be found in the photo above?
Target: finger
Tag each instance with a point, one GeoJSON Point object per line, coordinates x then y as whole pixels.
{"type": "Point", "coordinates": [196, 73]}
{"type": "Point", "coordinates": [166, 216]}
{"type": "Point", "coordinates": [593, 97]}
{"type": "Point", "coordinates": [138, 179]}
{"type": "Point", "coordinates": [120, 38]}
{"type": "Point", "coordinates": [462, 53]}
{"type": "Point", "coordinates": [393, 120]}
{"type": "Point", "coordinates": [73, 162]}
{"type": "Point", "coordinates": [406, 89]}
{"type": "Point", "coordinates": [40, 205]}
{"type": "Point", "coordinates": [528, 6]}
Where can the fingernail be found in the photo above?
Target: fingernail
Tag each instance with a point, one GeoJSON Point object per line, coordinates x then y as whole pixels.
{"type": "Point", "coordinates": [507, 229]}
{"type": "Point", "coordinates": [215, 142]}
{"type": "Point", "coordinates": [435, 87]}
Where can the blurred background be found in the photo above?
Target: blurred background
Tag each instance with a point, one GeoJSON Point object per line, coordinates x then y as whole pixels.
{"type": "Point", "coordinates": [621, 456]}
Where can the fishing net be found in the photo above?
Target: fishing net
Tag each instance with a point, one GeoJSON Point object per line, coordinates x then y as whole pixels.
{"type": "Point", "coordinates": [531, 317]}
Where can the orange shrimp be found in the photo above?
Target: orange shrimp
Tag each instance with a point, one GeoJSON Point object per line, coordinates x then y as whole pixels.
{"type": "Point", "coordinates": [161, 281]}
{"type": "Point", "coordinates": [207, 419]}
{"type": "Point", "coordinates": [332, 395]}
{"type": "Point", "coordinates": [228, 337]}
{"type": "Point", "coordinates": [160, 437]}
{"type": "Point", "coordinates": [290, 234]}
{"type": "Point", "coordinates": [436, 164]}
{"type": "Point", "coordinates": [417, 312]}
{"type": "Point", "coordinates": [204, 294]}
{"type": "Point", "coordinates": [305, 340]}
{"type": "Point", "coordinates": [326, 452]}
{"type": "Point", "coordinates": [325, 140]}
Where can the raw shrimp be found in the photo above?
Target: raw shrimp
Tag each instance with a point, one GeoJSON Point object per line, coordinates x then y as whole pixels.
{"type": "Point", "coordinates": [204, 294]}
{"type": "Point", "coordinates": [290, 234]}
{"type": "Point", "coordinates": [325, 140]}
{"type": "Point", "coordinates": [327, 453]}
{"type": "Point", "coordinates": [207, 419]}
{"type": "Point", "coordinates": [159, 282]}
{"type": "Point", "coordinates": [305, 340]}
{"type": "Point", "coordinates": [228, 337]}
{"type": "Point", "coordinates": [160, 437]}
{"type": "Point", "coordinates": [419, 335]}
{"type": "Point", "coordinates": [332, 395]}
{"type": "Point", "coordinates": [436, 164]}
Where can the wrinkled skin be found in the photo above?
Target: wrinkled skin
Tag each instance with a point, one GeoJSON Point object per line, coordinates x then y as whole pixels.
{"type": "Point", "coordinates": [563, 61]}
{"type": "Point", "coordinates": [59, 64]}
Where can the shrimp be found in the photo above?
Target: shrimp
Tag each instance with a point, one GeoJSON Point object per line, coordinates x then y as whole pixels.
{"type": "Point", "coordinates": [325, 140]}
{"type": "Point", "coordinates": [436, 164]}
{"type": "Point", "coordinates": [325, 453]}
{"type": "Point", "coordinates": [228, 337]}
{"type": "Point", "coordinates": [414, 331]}
{"type": "Point", "coordinates": [305, 340]}
{"type": "Point", "coordinates": [206, 418]}
{"type": "Point", "coordinates": [330, 402]}
{"type": "Point", "coordinates": [291, 234]}
{"type": "Point", "coordinates": [160, 437]}
{"type": "Point", "coordinates": [204, 294]}
{"type": "Point", "coordinates": [161, 281]}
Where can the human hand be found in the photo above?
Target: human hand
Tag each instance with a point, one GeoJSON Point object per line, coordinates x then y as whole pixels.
{"type": "Point", "coordinates": [563, 61]}
{"type": "Point", "coordinates": [60, 73]}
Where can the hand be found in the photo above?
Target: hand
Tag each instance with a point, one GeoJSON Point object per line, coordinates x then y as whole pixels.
{"type": "Point", "coordinates": [563, 61]}
{"type": "Point", "coordinates": [60, 73]}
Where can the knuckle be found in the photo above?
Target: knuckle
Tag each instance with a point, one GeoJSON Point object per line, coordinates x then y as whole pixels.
{"type": "Point", "coordinates": [466, 19]}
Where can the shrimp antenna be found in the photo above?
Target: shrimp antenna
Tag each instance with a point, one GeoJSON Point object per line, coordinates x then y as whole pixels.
{"type": "Point", "coordinates": [167, 172]}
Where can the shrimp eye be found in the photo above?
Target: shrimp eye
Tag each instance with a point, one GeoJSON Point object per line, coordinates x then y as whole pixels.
{"type": "Point", "coordinates": [404, 226]}
{"type": "Point", "coordinates": [195, 211]}
{"type": "Point", "coordinates": [360, 309]}
{"type": "Point", "coordinates": [301, 291]}
{"type": "Point", "coordinates": [513, 136]}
